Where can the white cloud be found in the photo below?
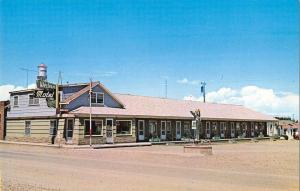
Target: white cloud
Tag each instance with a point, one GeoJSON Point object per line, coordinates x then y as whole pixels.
{"type": "Point", "coordinates": [5, 89]}
{"type": "Point", "coordinates": [186, 81]}
{"type": "Point", "coordinates": [259, 99]}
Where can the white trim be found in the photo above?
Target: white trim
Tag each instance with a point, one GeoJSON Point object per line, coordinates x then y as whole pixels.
{"type": "Point", "coordinates": [165, 135]}
{"type": "Point", "coordinates": [69, 119]}
{"type": "Point", "coordinates": [130, 127]}
{"type": "Point", "coordinates": [92, 124]}
{"type": "Point", "coordinates": [141, 139]}
{"type": "Point", "coordinates": [111, 140]}
{"type": "Point", "coordinates": [178, 122]}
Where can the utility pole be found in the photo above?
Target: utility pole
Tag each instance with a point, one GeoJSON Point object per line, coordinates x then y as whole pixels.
{"type": "Point", "coordinates": [203, 84]}
{"type": "Point", "coordinates": [57, 99]}
{"type": "Point", "coordinates": [59, 80]}
{"type": "Point", "coordinates": [166, 88]}
{"type": "Point", "coordinates": [90, 112]}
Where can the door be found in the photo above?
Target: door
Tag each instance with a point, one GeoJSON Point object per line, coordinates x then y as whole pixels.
{"type": "Point", "coordinates": [252, 130]}
{"type": "Point", "coordinates": [207, 131]}
{"type": "Point", "coordinates": [109, 131]}
{"type": "Point", "coordinates": [69, 131]}
{"type": "Point", "coordinates": [232, 130]}
{"type": "Point", "coordinates": [222, 130]}
{"type": "Point", "coordinates": [178, 130]}
{"type": "Point", "coordinates": [163, 130]}
{"type": "Point", "coordinates": [141, 131]}
{"type": "Point", "coordinates": [152, 129]}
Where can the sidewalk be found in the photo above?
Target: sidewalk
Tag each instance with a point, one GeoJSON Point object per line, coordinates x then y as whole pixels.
{"type": "Point", "coordinates": [100, 146]}
{"type": "Point", "coordinates": [46, 145]}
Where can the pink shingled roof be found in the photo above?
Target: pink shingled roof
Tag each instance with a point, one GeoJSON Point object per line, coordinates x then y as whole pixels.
{"type": "Point", "coordinates": [159, 107]}
{"type": "Point", "coordinates": [292, 126]}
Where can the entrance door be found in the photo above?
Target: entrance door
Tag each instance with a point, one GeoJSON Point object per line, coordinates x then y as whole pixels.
{"type": "Point", "coordinates": [252, 130]}
{"type": "Point", "coordinates": [222, 130]}
{"type": "Point", "coordinates": [232, 130]}
{"type": "Point", "coordinates": [178, 129]}
{"type": "Point", "coordinates": [163, 130]}
{"type": "Point", "coordinates": [207, 130]}
{"type": "Point", "coordinates": [141, 126]}
{"type": "Point", "coordinates": [69, 130]}
{"type": "Point", "coordinates": [109, 131]}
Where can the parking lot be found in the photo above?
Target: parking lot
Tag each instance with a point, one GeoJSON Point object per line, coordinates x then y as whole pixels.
{"type": "Point", "coordinates": [265, 165]}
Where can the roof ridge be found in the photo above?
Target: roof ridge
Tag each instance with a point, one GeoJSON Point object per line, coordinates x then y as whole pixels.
{"type": "Point", "coordinates": [175, 99]}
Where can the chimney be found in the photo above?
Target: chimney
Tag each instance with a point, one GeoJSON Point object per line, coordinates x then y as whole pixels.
{"type": "Point", "coordinates": [42, 75]}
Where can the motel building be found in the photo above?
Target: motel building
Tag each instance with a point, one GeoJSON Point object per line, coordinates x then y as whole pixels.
{"type": "Point", "coordinates": [120, 118]}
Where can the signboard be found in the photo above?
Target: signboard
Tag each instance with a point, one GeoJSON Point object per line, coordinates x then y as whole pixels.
{"type": "Point", "coordinates": [45, 93]}
{"type": "Point", "coordinates": [46, 90]}
{"type": "Point", "coordinates": [41, 84]}
{"type": "Point", "coordinates": [194, 124]}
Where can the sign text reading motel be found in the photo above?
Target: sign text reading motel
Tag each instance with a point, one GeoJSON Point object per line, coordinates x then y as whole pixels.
{"type": "Point", "coordinates": [45, 93]}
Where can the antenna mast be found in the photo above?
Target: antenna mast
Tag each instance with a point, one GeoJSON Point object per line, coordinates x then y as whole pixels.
{"type": "Point", "coordinates": [27, 71]}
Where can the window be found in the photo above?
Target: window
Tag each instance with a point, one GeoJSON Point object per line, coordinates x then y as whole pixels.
{"type": "Point", "coordinates": [97, 98]}
{"type": "Point", "coordinates": [96, 127]}
{"type": "Point", "coordinates": [16, 100]}
{"type": "Point", "coordinates": [168, 127]}
{"type": "Point", "coordinates": [27, 127]}
{"type": "Point", "coordinates": [53, 127]}
{"type": "Point", "coordinates": [186, 126]}
{"type": "Point", "coordinates": [123, 127]}
{"type": "Point", "coordinates": [33, 100]}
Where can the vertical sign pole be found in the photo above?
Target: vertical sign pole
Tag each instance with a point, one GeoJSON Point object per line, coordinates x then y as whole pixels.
{"type": "Point", "coordinates": [91, 114]}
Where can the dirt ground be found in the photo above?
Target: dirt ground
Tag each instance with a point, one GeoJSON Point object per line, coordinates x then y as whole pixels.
{"type": "Point", "coordinates": [265, 165]}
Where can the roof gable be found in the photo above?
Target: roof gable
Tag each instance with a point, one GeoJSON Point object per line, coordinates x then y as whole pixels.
{"type": "Point", "coordinates": [87, 88]}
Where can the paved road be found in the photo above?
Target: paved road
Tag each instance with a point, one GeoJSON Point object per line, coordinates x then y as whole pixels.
{"type": "Point", "coordinates": [152, 168]}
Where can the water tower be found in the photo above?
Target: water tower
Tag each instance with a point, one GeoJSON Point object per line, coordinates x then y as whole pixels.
{"type": "Point", "coordinates": [42, 72]}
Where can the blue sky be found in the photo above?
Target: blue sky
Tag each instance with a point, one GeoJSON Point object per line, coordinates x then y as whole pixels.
{"type": "Point", "coordinates": [132, 46]}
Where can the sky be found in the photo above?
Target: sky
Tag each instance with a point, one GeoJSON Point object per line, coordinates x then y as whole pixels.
{"type": "Point", "coordinates": [247, 51]}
